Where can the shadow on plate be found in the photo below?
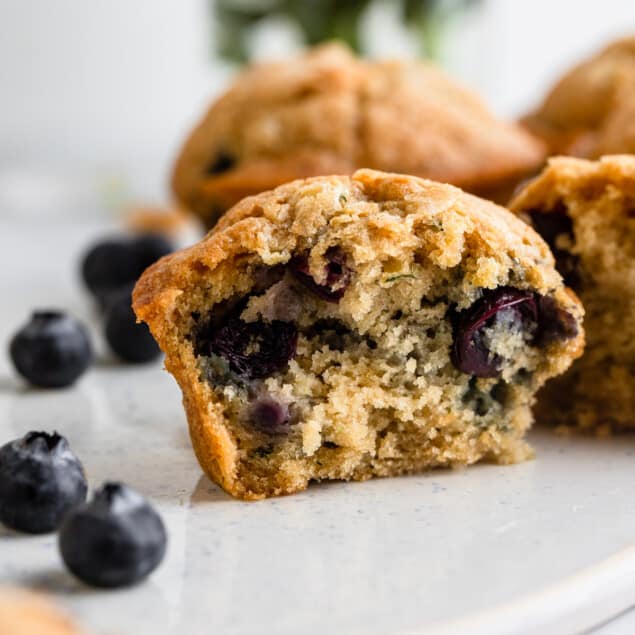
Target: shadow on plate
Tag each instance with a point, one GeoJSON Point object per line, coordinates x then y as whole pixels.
{"type": "Point", "coordinates": [208, 492]}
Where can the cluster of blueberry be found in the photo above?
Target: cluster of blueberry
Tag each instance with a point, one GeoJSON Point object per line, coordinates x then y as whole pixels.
{"type": "Point", "coordinates": [116, 539]}
{"type": "Point", "coordinates": [54, 349]}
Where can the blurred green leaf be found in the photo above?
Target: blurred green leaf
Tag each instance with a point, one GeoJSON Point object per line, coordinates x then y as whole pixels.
{"type": "Point", "coordinates": [321, 20]}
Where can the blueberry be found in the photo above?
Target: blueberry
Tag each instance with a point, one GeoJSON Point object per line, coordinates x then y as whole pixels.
{"type": "Point", "coordinates": [251, 349]}
{"type": "Point", "coordinates": [117, 539]}
{"type": "Point", "coordinates": [52, 350]}
{"type": "Point", "coordinates": [129, 340]}
{"type": "Point", "coordinates": [554, 323]}
{"type": "Point", "coordinates": [117, 263]}
{"type": "Point", "coordinates": [469, 352]}
{"type": "Point", "coordinates": [41, 480]}
{"type": "Point", "coordinates": [265, 277]}
{"type": "Point", "coordinates": [337, 274]}
{"type": "Point", "coordinates": [269, 415]}
{"type": "Point", "coordinates": [551, 225]}
{"type": "Point", "coordinates": [149, 248]}
{"type": "Point", "coordinates": [108, 266]}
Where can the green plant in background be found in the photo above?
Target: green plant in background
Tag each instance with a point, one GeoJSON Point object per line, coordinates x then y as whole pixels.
{"type": "Point", "coordinates": [320, 20]}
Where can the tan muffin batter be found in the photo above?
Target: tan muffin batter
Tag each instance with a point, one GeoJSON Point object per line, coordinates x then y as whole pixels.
{"type": "Point", "coordinates": [586, 211]}
{"type": "Point", "coordinates": [26, 613]}
{"type": "Point", "coordinates": [330, 329]}
{"type": "Point", "coordinates": [591, 110]}
{"type": "Point", "coordinates": [328, 112]}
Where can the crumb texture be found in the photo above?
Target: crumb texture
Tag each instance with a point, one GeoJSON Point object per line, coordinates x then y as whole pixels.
{"type": "Point", "coordinates": [328, 112]}
{"type": "Point", "coordinates": [344, 328]}
{"type": "Point", "coordinates": [586, 211]}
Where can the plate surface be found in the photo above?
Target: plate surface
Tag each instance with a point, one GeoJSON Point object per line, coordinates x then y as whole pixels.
{"type": "Point", "coordinates": [383, 557]}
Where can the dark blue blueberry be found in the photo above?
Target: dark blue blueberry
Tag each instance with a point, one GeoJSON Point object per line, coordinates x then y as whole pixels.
{"type": "Point", "coordinates": [149, 248]}
{"type": "Point", "coordinates": [554, 323]}
{"type": "Point", "coordinates": [550, 225]}
{"type": "Point", "coordinates": [252, 349]}
{"type": "Point", "coordinates": [41, 481]}
{"type": "Point", "coordinates": [52, 350]}
{"type": "Point", "coordinates": [129, 340]}
{"type": "Point", "coordinates": [117, 539]}
{"type": "Point", "coordinates": [109, 266]}
{"type": "Point", "coordinates": [469, 353]}
{"type": "Point", "coordinates": [269, 415]}
{"type": "Point", "coordinates": [117, 263]}
{"type": "Point", "coordinates": [337, 274]}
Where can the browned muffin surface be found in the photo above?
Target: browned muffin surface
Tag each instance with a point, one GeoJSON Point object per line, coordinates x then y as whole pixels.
{"type": "Point", "coordinates": [591, 110]}
{"type": "Point", "coordinates": [328, 112]}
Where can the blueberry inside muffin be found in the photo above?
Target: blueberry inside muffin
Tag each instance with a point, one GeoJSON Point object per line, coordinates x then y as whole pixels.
{"type": "Point", "coordinates": [344, 328]}
{"type": "Point", "coordinates": [585, 210]}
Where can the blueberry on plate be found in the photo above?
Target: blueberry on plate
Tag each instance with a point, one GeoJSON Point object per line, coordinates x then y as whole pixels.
{"type": "Point", "coordinates": [41, 480]}
{"type": "Point", "coordinates": [52, 350]}
{"type": "Point", "coordinates": [129, 340]}
{"type": "Point", "coordinates": [116, 263]}
{"type": "Point", "coordinates": [149, 248]}
{"type": "Point", "coordinates": [117, 539]}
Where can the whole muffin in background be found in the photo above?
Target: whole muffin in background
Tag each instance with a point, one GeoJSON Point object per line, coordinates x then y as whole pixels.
{"type": "Point", "coordinates": [591, 110]}
{"type": "Point", "coordinates": [585, 210]}
{"type": "Point", "coordinates": [329, 112]}
{"type": "Point", "coordinates": [349, 327]}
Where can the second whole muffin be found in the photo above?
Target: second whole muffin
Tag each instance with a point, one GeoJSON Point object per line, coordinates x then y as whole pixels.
{"type": "Point", "coordinates": [329, 112]}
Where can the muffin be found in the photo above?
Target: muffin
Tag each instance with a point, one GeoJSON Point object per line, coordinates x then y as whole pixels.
{"type": "Point", "coordinates": [329, 112]}
{"type": "Point", "coordinates": [585, 210]}
{"type": "Point", "coordinates": [27, 613]}
{"type": "Point", "coordinates": [349, 327]}
{"type": "Point", "coordinates": [591, 110]}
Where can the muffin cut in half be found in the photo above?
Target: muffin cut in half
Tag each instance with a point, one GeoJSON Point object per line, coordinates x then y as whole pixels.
{"type": "Point", "coordinates": [585, 210]}
{"type": "Point", "coordinates": [344, 328]}
{"type": "Point", "coordinates": [590, 111]}
{"type": "Point", "coordinates": [329, 112]}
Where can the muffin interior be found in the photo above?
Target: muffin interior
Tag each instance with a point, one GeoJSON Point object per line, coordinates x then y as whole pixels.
{"type": "Point", "coordinates": [591, 230]}
{"type": "Point", "coordinates": [325, 367]}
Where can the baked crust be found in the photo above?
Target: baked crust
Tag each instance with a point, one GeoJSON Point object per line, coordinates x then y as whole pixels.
{"type": "Point", "coordinates": [329, 112]}
{"type": "Point", "coordinates": [591, 110]}
{"type": "Point", "coordinates": [598, 391]}
{"type": "Point", "coordinates": [377, 217]}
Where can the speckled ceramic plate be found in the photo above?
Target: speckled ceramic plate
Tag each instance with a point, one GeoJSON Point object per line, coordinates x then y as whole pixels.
{"type": "Point", "coordinates": [540, 547]}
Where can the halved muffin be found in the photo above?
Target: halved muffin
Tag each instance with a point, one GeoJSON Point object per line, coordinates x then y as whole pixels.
{"type": "Point", "coordinates": [349, 327]}
{"type": "Point", "coordinates": [329, 112]}
{"type": "Point", "coordinates": [585, 210]}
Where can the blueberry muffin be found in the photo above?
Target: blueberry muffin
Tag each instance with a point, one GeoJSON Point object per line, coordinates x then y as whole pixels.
{"type": "Point", "coordinates": [26, 613]}
{"type": "Point", "coordinates": [348, 327]}
{"type": "Point", "coordinates": [329, 112]}
{"type": "Point", "coordinates": [591, 110]}
{"type": "Point", "coordinates": [585, 210]}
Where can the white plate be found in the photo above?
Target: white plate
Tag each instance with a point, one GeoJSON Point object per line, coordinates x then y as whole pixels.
{"type": "Point", "coordinates": [540, 547]}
